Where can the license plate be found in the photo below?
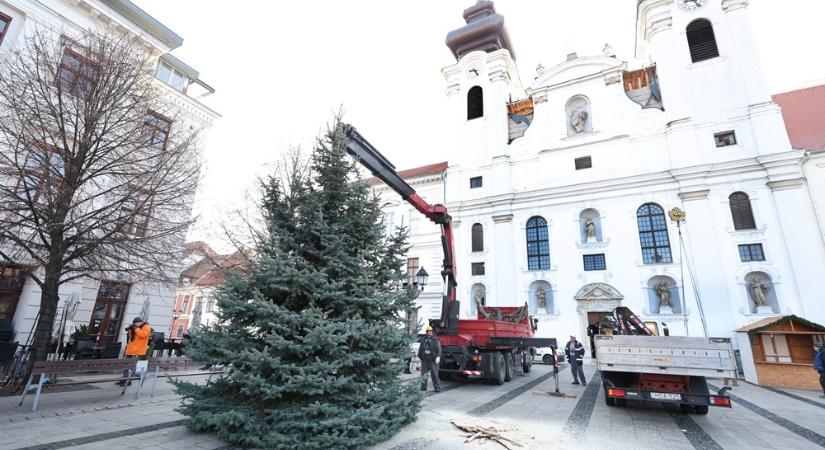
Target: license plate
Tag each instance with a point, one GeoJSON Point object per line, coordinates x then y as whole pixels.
{"type": "Point", "coordinates": [664, 396]}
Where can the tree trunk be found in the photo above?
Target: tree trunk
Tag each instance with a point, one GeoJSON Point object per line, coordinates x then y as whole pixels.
{"type": "Point", "coordinates": [49, 299]}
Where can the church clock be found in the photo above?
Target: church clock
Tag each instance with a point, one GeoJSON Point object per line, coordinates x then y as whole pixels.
{"type": "Point", "coordinates": [691, 5]}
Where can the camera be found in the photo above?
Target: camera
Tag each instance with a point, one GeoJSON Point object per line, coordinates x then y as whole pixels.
{"type": "Point", "coordinates": [130, 328]}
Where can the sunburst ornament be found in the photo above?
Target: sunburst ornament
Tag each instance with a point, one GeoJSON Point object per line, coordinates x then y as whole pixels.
{"type": "Point", "coordinates": [691, 5]}
{"type": "Point", "coordinates": [677, 215]}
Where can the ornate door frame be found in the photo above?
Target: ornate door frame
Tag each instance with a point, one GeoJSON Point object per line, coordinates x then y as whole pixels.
{"type": "Point", "coordinates": [595, 297]}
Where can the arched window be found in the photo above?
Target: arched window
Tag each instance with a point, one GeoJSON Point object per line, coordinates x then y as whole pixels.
{"type": "Point", "coordinates": [653, 234]}
{"type": "Point", "coordinates": [741, 212]}
{"type": "Point", "coordinates": [701, 40]}
{"type": "Point", "coordinates": [475, 103]}
{"type": "Point", "coordinates": [538, 247]}
{"type": "Point", "coordinates": [478, 238]}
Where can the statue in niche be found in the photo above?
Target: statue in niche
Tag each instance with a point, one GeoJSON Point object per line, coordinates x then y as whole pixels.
{"type": "Point", "coordinates": [663, 293]}
{"type": "Point", "coordinates": [541, 296]}
{"type": "Point", "coordinates": [759, 291]}
{"type": "Point", "coordinates": [578, 120]}
{"type": "Point", "coordinates": [589, 228]}
{"type": "Point", "coordinates": [479, 299]}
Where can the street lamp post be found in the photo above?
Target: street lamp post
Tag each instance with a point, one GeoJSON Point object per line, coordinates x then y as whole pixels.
{"type": "Point", "coordinates": [679, 217]}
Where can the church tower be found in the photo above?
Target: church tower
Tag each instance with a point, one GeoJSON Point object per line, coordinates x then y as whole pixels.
{"type": "Point", "coordinates": [480, 84]}
{"type": "Point", "coordinates": [710, 75]}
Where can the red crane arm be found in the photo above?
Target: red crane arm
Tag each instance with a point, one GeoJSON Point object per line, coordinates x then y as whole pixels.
{"type": "Point", "coordinates": [384, 170]}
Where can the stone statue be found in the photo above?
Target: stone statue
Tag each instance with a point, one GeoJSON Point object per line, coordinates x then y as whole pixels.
{"type": "Point", "coordinates": [663, 293]}
{"type": "Point", "coordinates": [608, 51]}
{"type": "Point", "coordinates": [759, 291]}
{"type": "Point", "coordinates": [578, 120]}
{"type": "Point", "coordinates": [589, 228]}
{"type": "Point", "coordinates": [541, 296]}
{"type": "Point", "coordinates": [479, 299]}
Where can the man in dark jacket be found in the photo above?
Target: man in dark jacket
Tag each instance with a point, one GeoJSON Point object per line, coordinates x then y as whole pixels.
{"type": "Point", "coordinates": [574, 351]}
{"type": "Point", "coordinates": [429, 351]}
{"type": "Point", "coordinates": [819, 365]}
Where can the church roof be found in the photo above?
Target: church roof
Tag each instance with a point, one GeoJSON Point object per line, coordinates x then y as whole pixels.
{"type": "Point", "coordinates": [804, 114]}
{"type": "Point", "coordinates": [484, 31]}
{"type": "Point", "coordinates": [430, 169]}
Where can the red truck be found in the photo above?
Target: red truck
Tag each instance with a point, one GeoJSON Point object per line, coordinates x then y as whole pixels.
{"type": "Point", "coordinates": [495, 346]}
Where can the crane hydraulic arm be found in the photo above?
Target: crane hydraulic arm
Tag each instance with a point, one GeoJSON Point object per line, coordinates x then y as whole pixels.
{"type": "Point", "coordinates": [380, 167]}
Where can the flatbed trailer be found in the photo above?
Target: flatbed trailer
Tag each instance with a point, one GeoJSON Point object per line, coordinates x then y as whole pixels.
{"type": "Point", "coordinates": [664, 369]}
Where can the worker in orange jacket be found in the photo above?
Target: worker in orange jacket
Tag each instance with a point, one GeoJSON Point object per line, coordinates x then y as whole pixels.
{"type": "Point", "coordinates": [137, 337]}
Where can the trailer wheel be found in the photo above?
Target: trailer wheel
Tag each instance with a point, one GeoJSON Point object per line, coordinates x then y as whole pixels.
{"type": "Point", "coordinates": [500, 367]}
{"type": "Point", "coordinates": [508, 365]}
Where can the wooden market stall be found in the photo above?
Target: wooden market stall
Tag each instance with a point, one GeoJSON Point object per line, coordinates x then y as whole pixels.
{"type": "Point", "coordinates": [781, 352]}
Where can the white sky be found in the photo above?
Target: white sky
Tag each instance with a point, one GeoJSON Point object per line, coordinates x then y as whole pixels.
{"type": "Point", "coordinates": [281, 68]}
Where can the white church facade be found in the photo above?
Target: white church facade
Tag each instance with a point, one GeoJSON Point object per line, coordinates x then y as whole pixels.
{"type": "Point", "coordinates": [562, 186]}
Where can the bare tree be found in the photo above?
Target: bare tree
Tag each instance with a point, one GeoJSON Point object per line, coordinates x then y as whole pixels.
{"type": "Point", "coordinates": [97, 166]}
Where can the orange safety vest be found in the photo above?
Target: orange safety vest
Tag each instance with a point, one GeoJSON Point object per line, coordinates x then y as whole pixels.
{"type": "Point", "coordinates": [140, 341]}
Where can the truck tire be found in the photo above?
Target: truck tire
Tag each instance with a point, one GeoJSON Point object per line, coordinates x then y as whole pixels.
{"type": "Point", "coordinates": [547, 359]}
{"type": "Point", "coordinates": [609, 400]}
{"type": "Point", "coordinates": [699, 385]}
{"type": "Point", "coordinates": [527, 363]}
{"type": "Point", "coordinates": [508, 364]}
{"type": "Point", "coordinates": [499, 366]}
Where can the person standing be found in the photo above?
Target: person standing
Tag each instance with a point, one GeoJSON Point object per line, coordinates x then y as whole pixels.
{"type": "Point", "coordinates": [137, 338]}
{"type": "Point", "coordinates": [574, 351]}
{"type": "Point", "coordinates": [819, 365]}
{"type": "Point", "coordinates": [429, 351]}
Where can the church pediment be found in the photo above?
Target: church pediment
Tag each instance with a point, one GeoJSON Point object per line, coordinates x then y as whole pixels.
{"type": "Point", "coordinates": [598, 291]}
{"type": "Point", "coordinates": [575, 69]}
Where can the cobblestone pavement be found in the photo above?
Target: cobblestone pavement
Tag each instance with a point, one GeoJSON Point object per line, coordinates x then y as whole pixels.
{"type": "Point", "coordinates": [761, 418]}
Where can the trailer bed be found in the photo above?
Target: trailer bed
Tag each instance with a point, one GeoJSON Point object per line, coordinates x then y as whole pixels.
{"type": "Point", "coordinates": [668, 355]}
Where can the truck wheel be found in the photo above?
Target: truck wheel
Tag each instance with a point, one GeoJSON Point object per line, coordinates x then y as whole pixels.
{"type": "Point", "coordinates": [699, 385]}
{"type": "Point", "coordinates": [527, 365]}
{"type": "Point", "coordinates": [508, 364]}
{"type": "Point", "coordinates": [609, 400]}
{"type": "Point", "coordinates": [500, 369]}
{"type": "Point", "coordinates": [547, 359]}
{"type": "Point", "coordinates": [700, 409]}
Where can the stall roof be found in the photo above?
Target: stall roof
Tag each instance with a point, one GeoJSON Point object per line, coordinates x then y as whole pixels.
{"type": "Point", "coordinates": [768, 322]}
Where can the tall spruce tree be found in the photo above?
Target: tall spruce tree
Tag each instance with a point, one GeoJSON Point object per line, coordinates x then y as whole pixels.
{"type": "Point", "coordinates": [313, 328]}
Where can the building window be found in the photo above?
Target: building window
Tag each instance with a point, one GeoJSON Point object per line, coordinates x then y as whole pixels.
{"type": "Point", "coordinates": [157, 130]}
{"type": "Point", "coordinates": [701, 40]}
{"type": "Point", "coordinates": [538, 246]}
{"type": "Point", "coordinates": [475, 182]}
{"type": "Point", "coordinates": [5, 21]}
{"type": "Point", "coordinates": [210, 305]}
{"type": "Point", "coordinates": [475, 103]}
{"type": "Point", "coordinates": [477, 268]}
{"type": "Point", "coordinates": [751, 252]}
{"type": "Point", "coordinates": [43, 172]}
{"type": "Point", "coordinates": [179, 331]}
{"type": "Point", "coordinates": [185, 305]}
{"type": "Point", "coordinates": [412, 269]}
{"type": "Point", "coordinates": [725, 139]}
{"type": "Point", "coordinates": [108, 312]}
{"type": "Point", "coordinates": [478, 238]}
{"type": "Point", "coordinates": [77, 74]}
{"type": "Point", "coordinates": [653, 234]}
{"type": "Point", "coordinates": [594, 262]}
{"type": "Point", "coordinates": [388, 221]}
{"type": "Point", "coordinates": [583, 163]}
{"type": "Point", "coordinates": [741, 212]}
{"type": "Point", "coordinates": [172, 77]}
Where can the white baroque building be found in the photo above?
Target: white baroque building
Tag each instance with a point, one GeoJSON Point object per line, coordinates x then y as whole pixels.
{"type": "Point", "coordinates": [106, 307]}
{"type": "Point", "coordinates": [686, 123]}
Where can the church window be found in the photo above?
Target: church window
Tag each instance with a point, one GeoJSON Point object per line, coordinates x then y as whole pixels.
{"type": "Point", "coordinates": [594, 262]}
{"type": "Point", "coordinates": [583, 163]}
{"type": "Point", "coordinates": [475, 103]}
{"type": "Point", "coordinates": [478, 238]}
{"type": "Point", "coordinates": [701, 40]}
{"type": "Point", "coordinates": [538, 247]}
{"type": "Point", "coordinates": [741, 212]}
{"type": "Point", "coordinates": [476, 182]}
{"type": "Point", "coordinates": [4, 26]}
{"type": "Point", "coordinates": [725, 139]}
{"type": "Point", "coordinates": [751, 252]}
{"type": "Point", "coordinates": [653, 234]}
{"type": "Point", "coordinates": [477, 268]}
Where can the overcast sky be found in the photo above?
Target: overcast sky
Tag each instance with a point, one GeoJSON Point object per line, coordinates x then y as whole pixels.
{"type": "Point", "coordinates": [281, 68]}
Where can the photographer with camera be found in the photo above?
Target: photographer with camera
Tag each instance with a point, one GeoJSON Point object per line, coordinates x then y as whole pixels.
{"type": "Point", "coordinates": [137, 342]}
